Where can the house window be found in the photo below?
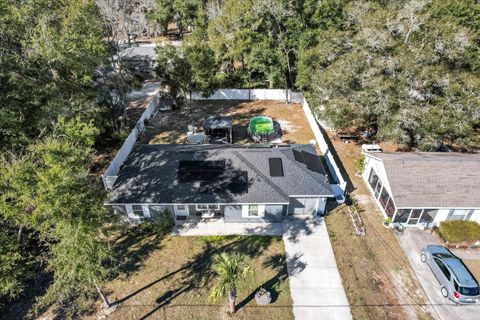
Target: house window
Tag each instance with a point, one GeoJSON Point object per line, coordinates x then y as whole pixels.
{"type": "Point", "coordinates": [384, 197]}
{"type": "Point", "coordinates": [390, 208]}
{"type": "Point", "coordinates": [428, 216]}
{"type": "Point", "coordinates": [137, 210]}
{"type": "Point", "coordinates": [402, 215]}
{"type": "Point", "coordinates": [181, 207]}
{"type": "Point", "coordinates": [414, 216]}
{"type": "Point", "coordinates": [253, 210]}
{"type": "Point", "coordinates": [373, 179]}
{"type": "Point", "coordinates": [460, 215]}
{"type": "Point", "coordinates": [377, 189]}
{"type": "Point", "coordinates": [205, 207]}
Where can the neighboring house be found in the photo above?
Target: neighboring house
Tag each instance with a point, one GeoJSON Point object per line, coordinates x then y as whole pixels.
{"type": "Point", "coordinates": [421, 189]}
{"type": "Point", "coordinates": [139, 59]}
{"type": "Point", "coordinates": [232, 182]}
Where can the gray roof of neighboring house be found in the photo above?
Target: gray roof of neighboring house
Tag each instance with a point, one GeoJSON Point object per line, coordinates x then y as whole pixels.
{"type": "Point", "coordinates": [150, 175]}
{"type": "Point", "coordinates": [140, 52]}
{"type": "Point", "coordinates": [433, 179]}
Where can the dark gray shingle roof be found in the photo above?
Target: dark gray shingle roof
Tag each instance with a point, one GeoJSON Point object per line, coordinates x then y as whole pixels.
{"type": "Point", "coordinates": [433, 179]}
{"type": "Point", "coordinates": [150, 175]}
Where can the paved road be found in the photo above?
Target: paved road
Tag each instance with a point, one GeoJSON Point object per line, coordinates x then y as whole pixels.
{"type": "Point", "coordinates": [315, 283]}
{"type": "Point", "coordinates": [412, 241]}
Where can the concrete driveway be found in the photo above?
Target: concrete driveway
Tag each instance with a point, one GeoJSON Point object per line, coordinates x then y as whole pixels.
{"type": "Point", "coordinates": [315, 283]}
{"type": "Point", "coordinates": [412, 241]}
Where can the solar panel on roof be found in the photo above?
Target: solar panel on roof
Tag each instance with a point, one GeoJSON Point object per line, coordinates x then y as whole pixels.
{"type": "Point", "coordinates": [313, 162]}
{"type": "Point", "coordinates": [276, 167]}
{"type": "Point", "coordinates": [298, 156]}
{"type": "Point", "coordinates": [192, 176]}
{"type": "Point", "coordinates": [201, 165]}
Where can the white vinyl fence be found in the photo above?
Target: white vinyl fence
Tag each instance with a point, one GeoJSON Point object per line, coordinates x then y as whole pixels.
{"type": "Point", "coordinates": [111, 174]}
{"type": "Point", "coordinates": [251, 94]}
{"type": "Point", "coordinates": [340, 184]}
{"type": "Point", "coordinates": [339, 187]}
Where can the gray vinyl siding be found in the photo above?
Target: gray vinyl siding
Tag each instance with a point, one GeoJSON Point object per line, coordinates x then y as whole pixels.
{"type": "Point", "coordinates": [155, 210]}
{"type": "Point", "coordinates": [273, 213]}
{"type": "Point", "coordinates": [233, 213]}
{"type": "Point", "coordinates": [322, 206]}
{"type": "Point", "coordinates": [302, 206]}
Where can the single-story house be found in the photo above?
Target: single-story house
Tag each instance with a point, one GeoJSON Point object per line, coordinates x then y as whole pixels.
{"type": "Point", "coordinates": [423, 189]}
{"type": "Point", "coordinates": [237, 183]}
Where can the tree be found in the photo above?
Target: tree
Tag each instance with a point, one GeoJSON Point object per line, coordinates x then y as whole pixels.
{"type": "Point", "coordinates": [162, 14]}
{"type": "Point", "coordinates": [49, 50]}
{"type": "Point", "coordinates": [182, 12]}
{"type": "Point", "coordinates": [187, 70]}
{"type": "Point", "coordinates": [408, 71]}
{"type": "Point", "coordinates": [48, 189]}
{"type": "Point", "coordinates": [230, 270]}
{"type": "Point", "coordinates": [174, 70]}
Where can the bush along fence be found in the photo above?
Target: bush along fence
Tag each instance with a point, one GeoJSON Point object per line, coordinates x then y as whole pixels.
{"type": "Point", "coordinates": [339, 185]}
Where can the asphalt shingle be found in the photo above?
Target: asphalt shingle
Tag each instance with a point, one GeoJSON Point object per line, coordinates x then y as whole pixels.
{"type": "Point", "coordinates": [149, 175]}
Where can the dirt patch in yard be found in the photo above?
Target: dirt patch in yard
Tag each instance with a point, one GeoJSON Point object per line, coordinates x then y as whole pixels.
{"type": "Point", "coordinates": [172, 278]}
{"type": "Point", "coordinates": [474, 267]}
{"type": "Point", "coordinates": [171, 126]}
{"type": "Point", "coordinates": [377, 277]}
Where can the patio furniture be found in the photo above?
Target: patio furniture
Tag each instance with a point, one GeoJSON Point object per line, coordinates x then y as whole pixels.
{"type": "Point", "coordinates": [196, 138]}
{"type": "Point", "coordinates": [192, 128]}
{"type": "Point", "coordinates": [219, 128]}
{"type": "Point", "coordinates": [208, 214]}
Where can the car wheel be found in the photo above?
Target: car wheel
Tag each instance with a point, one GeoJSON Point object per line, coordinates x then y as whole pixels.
{"type": "Point", "coordinates": [423, 258]}
{"type": "Point", "coordinates": [444, 292]}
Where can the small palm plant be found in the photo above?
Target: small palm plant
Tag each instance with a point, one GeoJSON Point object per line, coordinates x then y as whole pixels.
{"type": "Point", "coordinates": [230, 270]}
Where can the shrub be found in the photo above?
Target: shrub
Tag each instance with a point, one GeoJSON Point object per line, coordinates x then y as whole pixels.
{"type": "Point", "coordinates": [360, 164]}
{"type": "Point", "coordinates": [160, 226]}
{"type": "Point", "coordinates": [459, 231]}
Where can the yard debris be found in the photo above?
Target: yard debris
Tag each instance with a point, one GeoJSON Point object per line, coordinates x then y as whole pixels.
{"type": "Point", "coordinates": [357, 222]}
{"type": "Point", "coordinates": [263, 297]}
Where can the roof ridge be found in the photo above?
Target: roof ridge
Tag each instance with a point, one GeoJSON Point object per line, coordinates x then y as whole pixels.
{"type": "Point", "coordinates": [265, 178]}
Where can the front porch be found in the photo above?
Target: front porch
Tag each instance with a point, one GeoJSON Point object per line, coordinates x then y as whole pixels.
{"type": "Point", "coordinates": [195, 225]}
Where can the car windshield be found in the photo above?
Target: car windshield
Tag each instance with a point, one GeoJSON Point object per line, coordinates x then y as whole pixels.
{"type": "Point", "coordinates": [466, 291]}
{"type": "Point", "coordinates": [442, 255]}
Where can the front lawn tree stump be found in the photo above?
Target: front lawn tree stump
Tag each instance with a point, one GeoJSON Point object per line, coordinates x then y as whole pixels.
{"type": "Point", "coordinates": [263, 297]}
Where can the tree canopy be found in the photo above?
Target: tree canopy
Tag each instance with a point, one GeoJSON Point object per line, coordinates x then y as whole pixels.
{"type": "Point", "coordinates": [48, 189]}
{"type": "Point", "coordinates": [49, 52]}
{"type": "Point", "coordinates": [407, 70]}
{"type": "Point", "coordinates": [51, 209]}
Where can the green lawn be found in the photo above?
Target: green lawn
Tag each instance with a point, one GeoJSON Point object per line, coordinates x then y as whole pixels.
{"type": "Point", "coordinates": [171, 278]}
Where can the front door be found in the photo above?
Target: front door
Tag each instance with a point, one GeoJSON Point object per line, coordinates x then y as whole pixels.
{"type": "Point", "coordinates": [181, 210]}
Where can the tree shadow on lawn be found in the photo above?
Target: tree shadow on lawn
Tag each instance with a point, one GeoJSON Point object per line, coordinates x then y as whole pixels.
{"type": "Point", "coordinates": [197, 272]}
{"type": "Point", "coordinates": [132, 247]}
{"type": "Point", "coordinates": [277, 262]}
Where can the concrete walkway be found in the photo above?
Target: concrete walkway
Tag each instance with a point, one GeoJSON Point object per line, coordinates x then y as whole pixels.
{"type": "Point", "coordinates": [315, 283]}
{"type": "Point", "coordinates": [412, 241]}
{"type": "Point", "coordinates": [221, 228]}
